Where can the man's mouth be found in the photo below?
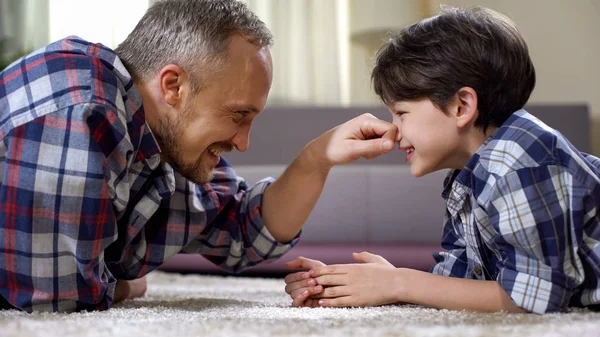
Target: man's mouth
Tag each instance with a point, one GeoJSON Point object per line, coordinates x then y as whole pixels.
{"type": "Point", "coordinates": [218, 149]}
{"type": "Point", "coordinates": [215, 151]}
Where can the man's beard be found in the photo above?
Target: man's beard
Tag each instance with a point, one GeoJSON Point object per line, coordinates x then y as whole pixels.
{"type": "Point", "coordinates": [167, 135]}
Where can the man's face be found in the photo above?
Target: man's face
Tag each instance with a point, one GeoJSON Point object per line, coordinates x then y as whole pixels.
{"type": "Point", "coordinates": [218, 118]}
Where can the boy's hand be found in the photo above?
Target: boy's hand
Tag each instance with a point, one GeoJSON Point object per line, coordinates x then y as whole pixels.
{"type": "Point", "coordinates": [369, 283]}
{"type": "Point", "coordinates": [299, 285]}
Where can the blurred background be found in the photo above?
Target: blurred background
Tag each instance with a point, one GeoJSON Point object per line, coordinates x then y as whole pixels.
{"type": "Point", "coordinates": [324, 48]}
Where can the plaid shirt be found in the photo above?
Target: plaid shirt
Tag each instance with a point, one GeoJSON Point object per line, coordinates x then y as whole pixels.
{"type": "Point", "coordinates": [524, 212]}
{"type": "Point", "coordinates": [84, 198]}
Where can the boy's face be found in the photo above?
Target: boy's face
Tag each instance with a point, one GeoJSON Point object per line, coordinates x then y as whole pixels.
{"type": "Point", "coordinates": [430, 137]}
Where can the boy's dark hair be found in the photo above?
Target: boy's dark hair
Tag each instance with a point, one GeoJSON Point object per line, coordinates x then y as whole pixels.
{"type": "Point", "coordinates": [477, 48]}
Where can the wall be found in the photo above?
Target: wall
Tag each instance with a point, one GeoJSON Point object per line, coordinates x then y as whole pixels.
{"type": "Point", "coordinates": [369, 22]}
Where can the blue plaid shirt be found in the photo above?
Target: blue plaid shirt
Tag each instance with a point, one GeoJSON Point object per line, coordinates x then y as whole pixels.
{"type": "Point", "coordinates": [84, 198]}
{"type": "Point", "coordinates": [524, 212]}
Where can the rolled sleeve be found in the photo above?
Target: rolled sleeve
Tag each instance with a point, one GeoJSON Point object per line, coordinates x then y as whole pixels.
{"type": "Point", "coordinates": [260, 243]}
{"type": "Point", "coordinates": [533, 293]}
{"type": "Point", "coordinates": [235, 237]}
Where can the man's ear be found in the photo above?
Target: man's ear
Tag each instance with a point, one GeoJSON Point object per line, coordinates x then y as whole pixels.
{"type": "Point", "coordinates": [466, 106]}
{"type": "Point", "coordinates": [174, 84]}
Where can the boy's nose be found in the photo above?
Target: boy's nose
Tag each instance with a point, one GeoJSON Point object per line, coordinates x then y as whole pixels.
{"type": "Point", "coordinates": [398, 136]}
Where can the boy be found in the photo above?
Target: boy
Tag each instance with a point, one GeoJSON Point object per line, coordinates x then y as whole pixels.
{"type": "Point", "coordinates": [521, 226]}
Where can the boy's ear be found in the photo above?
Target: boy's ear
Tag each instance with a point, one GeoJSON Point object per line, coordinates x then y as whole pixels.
{"type": "Point", "coordinates": [173, 84]}
{"type": "Point", "coordinates": [466, 106]}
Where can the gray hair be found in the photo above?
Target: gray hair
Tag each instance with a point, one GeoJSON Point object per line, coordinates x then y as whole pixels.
{"type": "Point", "coordinates": [194, 34]}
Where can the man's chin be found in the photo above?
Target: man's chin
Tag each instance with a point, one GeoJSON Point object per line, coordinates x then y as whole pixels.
{"type": "Point", "coordinates": [201, 179]}
{"type": "Point", "coordinates": [206, 179]}
{"type": "Point", "coordinates": [199, 176]}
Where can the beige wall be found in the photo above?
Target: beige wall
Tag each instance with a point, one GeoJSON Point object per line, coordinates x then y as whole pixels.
{"type": "Point", "coordinates": [369, 22]}
{"type": "Point", "coordinates": [563, 38]}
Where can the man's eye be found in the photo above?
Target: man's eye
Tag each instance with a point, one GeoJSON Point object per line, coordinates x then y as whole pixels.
{"type": "Point", "coordinates": [238, 116]}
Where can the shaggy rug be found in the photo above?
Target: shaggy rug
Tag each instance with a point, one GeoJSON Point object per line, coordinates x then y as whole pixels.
{"type": "Point", "coordinates": [198, 305]}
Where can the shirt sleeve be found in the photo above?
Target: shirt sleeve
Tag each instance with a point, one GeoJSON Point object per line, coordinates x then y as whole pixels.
{"type": "Point", "coordinates": [235, 237]}
{"type": "Point", "coordinates": [57, 217]}
{"type": "Point", "coordinates": [452, 262]}
{"type": "Point", "coordinates": [538, 214]}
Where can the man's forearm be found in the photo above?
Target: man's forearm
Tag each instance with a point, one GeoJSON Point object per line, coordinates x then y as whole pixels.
{"type": "Point", "coordinates": [452, 293]}
{"type": "Point", "coordinates": [289, 200]}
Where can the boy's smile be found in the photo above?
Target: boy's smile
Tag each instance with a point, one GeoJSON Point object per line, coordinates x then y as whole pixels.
{"type": "Point", "coordinates": [433, 139]}
{"type": "Point", "coordinates": [409, 150]}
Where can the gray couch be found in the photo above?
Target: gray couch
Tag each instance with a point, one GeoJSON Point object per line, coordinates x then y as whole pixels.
{"type": "Point", "coordinates": [374, 205]}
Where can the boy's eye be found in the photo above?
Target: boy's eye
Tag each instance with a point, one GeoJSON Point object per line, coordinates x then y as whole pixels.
{"type": "Point", "coordinates": [400, 113]}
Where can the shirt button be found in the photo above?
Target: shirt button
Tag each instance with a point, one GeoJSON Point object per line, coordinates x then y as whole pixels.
{"type": "Point", "coordinates": [477, 271]}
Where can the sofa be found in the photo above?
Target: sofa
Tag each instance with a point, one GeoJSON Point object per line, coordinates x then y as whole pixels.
{"type": "Point", "coordinates": [373, 205]}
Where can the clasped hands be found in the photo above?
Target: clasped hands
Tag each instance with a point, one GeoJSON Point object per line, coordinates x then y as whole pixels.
{"type": "Point", "coordinates": [369, 282]}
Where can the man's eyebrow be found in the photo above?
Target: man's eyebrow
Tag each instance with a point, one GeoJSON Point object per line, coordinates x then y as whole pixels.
{"type": "Point", "coordinates": [248, 108]}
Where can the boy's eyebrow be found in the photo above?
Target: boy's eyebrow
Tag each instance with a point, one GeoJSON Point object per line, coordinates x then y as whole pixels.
{"type": "Point", "coordinates": [399, 110]}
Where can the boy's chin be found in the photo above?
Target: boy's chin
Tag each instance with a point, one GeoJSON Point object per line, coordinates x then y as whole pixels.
{"type": "Point", "coordinates": [419, 171]}
{"type": "Point", "coordinates": [416, 172]}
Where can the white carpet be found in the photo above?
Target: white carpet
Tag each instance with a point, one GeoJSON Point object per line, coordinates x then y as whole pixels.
{"type": "Point", "coordinates": [191, 305]}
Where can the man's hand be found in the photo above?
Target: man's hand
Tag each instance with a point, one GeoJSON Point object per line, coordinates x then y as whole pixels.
{"type": "Point", "coordinates": [299, 285]}
{"type": "Point", "coordinates": [368, 283]}
{"type": "Point", "coordinates": [288, 201]}
{"type": "Point", "coordinates": [365, 136]}
{"type": "Point", "coordinates": [126, 290]}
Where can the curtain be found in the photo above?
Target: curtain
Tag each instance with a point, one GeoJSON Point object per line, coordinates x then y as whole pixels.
{"type": "Point", "coordinates": [107, 21]}
{"type": "Point", "coordinates": [310, 54]}
{"type": "Point", "coordinates": [23, 27]}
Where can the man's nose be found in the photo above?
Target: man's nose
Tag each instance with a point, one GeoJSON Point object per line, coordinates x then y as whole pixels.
{"type": "Point", "coordinates": [241, 140]}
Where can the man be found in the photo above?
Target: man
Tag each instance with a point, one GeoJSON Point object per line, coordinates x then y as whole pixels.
{"type": "Point", "coordinates": [112, 159]}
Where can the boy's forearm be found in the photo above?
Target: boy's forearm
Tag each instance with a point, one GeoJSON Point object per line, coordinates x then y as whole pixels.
{"type": "Point", "coordinates": [452, 293]}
